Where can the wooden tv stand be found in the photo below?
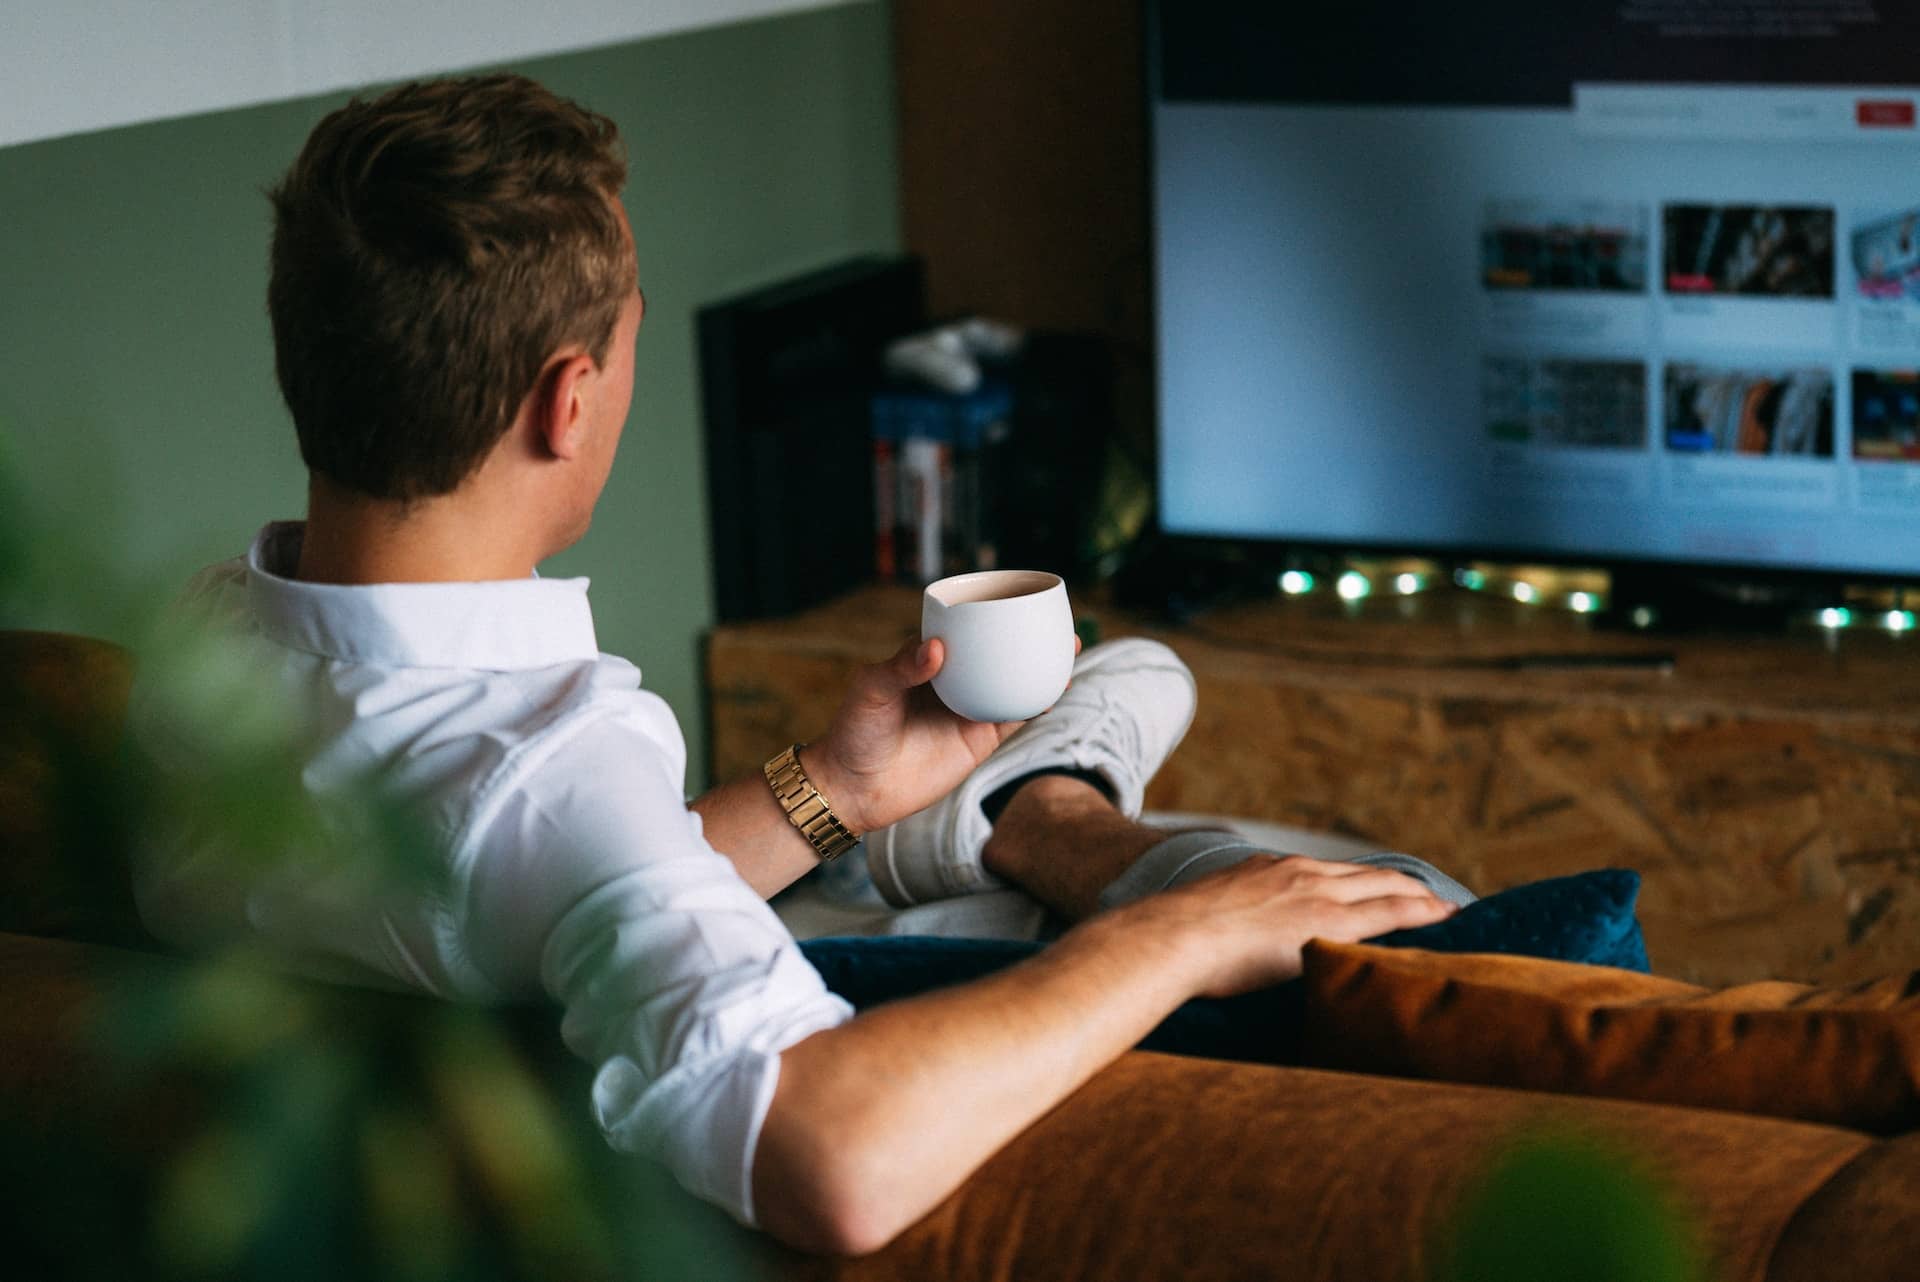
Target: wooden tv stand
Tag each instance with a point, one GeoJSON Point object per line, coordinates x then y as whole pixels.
{"type": "Point", "coordinates": [1767, 788]}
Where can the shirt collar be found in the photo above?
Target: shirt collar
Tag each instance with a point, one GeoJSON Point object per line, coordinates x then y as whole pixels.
{"type": "Point", "coordinates": [499, 625]}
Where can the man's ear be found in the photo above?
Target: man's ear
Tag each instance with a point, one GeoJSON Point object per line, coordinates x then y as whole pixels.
{"type": "Point", "coordinates": [561, 421]}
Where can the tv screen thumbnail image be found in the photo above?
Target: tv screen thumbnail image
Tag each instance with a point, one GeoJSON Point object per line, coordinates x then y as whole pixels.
{"type": "Point", "coordinates": [1771, 251]}
{"type": "Point", "coordinates": [1779, 413]}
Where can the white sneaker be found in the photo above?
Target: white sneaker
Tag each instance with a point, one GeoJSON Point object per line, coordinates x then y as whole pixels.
{"type": "Point", "coordinates": [1130, 704]}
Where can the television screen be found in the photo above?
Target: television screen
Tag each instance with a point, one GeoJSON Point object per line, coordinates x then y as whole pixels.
{"type": "Point", "coordinates": [1616, 280]}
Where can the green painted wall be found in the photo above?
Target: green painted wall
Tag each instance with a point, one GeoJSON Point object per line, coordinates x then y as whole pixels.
{"type": "Point", "coordinates": [137, 401]}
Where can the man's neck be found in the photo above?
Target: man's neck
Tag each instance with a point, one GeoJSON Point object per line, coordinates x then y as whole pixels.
{"type": "Point", "coordinates": [351, 538]}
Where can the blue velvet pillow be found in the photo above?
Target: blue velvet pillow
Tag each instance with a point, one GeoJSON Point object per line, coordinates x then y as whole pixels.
{"type": "Point", "coordinates": [1587, 917]}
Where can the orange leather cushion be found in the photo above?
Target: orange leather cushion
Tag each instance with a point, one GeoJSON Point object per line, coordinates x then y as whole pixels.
{"type": "Point", "coordinates": [1848, 1057]}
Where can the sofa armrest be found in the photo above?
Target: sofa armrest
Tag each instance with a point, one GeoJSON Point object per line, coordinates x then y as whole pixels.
{"type": "Point", "coordinates": [1170, 1167]}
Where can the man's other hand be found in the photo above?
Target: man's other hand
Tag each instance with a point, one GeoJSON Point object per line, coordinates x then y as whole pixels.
{"type": "Point", "coordinates": [1243, 927]}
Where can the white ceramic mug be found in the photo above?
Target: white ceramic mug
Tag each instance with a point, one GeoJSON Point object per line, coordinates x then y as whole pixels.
{"type": "Point", "coordinates": [1009, 639]}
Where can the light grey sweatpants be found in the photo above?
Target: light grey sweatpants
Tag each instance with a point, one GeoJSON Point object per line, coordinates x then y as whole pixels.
{"type": "Point", "coordinates": [1188, 855]}
{"type": "Point", "coordinates": [1013, 914]}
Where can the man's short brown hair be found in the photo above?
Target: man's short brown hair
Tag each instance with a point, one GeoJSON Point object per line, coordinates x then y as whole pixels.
{"type": "Point", "coordinates": [432, 247]}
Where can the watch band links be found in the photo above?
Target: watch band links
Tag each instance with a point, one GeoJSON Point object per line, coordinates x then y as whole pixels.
{"type": "Point", "coordinates": [805, 807]}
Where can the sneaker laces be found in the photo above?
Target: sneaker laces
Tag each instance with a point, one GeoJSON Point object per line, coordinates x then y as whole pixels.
{"type": "Point", "coordinates": [1113, 731]}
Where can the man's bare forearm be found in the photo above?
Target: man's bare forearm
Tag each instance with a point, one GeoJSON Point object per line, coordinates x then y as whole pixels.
{"type": "Point", "coordinates": [744, 822]}
{"type": "Point", "coordinates": [876, 1121]}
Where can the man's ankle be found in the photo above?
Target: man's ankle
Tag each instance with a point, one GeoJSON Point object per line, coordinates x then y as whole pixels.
{"type": "Point", "coordinates": [995, 803]}
{"type": "Point", "coordinates": [1034, 817]}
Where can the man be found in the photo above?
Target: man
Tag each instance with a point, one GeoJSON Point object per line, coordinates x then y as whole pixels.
{"type": "Point", "coordinates": [455, 307]}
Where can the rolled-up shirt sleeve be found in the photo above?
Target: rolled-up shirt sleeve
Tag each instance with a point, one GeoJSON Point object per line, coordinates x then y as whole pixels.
{"type": "Point", "coordinates": [678, 983]}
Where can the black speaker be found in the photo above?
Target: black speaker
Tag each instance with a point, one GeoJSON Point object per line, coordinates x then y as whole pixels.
{"type": "Point", "coordinates": [786, 374]}
{"type": "Point", "coordinates": [1062, 423]}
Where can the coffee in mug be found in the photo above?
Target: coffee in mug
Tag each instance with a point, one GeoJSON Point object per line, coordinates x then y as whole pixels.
{"type": "Point", "coordinates": [1009, 640]}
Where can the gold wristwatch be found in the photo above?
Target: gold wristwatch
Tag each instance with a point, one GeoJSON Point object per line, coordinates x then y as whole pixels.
{"type": "Point", "coordinates": [805, 806]}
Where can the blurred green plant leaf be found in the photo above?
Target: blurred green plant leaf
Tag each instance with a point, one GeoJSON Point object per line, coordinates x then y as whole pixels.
{"type": "Point", "coordinates": [1568, 1207]}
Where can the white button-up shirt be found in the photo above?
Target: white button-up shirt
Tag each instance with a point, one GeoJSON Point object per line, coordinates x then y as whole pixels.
{"type": "Point", "coordinates": [552, 787]}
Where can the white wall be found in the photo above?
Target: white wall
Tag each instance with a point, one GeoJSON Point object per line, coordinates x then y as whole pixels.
{"type": "Point", "coordinates": [70, 66]}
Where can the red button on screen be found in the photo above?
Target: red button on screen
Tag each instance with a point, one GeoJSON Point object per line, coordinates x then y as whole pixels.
{"type": "Point", "coordinates": [1884, 113]}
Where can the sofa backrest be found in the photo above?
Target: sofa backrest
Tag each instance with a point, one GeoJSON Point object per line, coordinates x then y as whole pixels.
{"type": "Point", "coordinates": [65, 794]}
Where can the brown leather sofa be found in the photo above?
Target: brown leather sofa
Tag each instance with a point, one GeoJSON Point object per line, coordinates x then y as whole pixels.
{"type": "Point", "coordinates": [1161, 1167]}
